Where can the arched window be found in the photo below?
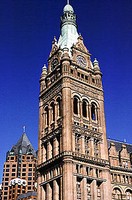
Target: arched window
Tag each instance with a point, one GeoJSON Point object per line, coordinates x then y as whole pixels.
{"type": "Point", "coordinates": [94, 112]}
{"type": "Point", "coordinates": [128, 194]}
{"type": "Point", "coordinates": [46, 116]}
{"type": "Point", "coordinates": [53, 111]}
{"type": "Point", "coordinates": [59, 108]}
{"type": "Point", "coordinates": [75, 105]}
{"type": "Point", "coordinates": [84, 108]}
{"type": "Point", "coordinates": [116, 194]}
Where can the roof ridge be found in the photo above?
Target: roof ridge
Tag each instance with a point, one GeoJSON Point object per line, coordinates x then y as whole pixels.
{"type": "Point", "coordinates": [115, 140]}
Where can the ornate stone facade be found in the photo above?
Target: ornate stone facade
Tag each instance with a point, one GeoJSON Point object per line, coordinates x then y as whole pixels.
{"type": "Point", "coordinates": [120, 157]}
{"type": "Point", "coordinates": [73, 160]}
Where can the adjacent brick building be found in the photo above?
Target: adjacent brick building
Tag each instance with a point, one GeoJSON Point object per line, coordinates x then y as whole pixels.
{"type": "Point", "coordinates": [28, 195]}
{"type": "Point", "coordinates": [75, 159]}
{"type": "Point", "coordinates": [19, 173]}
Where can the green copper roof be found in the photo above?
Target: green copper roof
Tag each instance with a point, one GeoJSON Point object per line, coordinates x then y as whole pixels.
{"type": "Point", "coordinates": [69, 33]}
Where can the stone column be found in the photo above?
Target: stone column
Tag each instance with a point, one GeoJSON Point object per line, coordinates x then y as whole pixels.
{"type": "Point", "coordinates": [45, 122]}
{"type": "Point", "coordinates": [44, 153]}
{"type": "Point", "coordinates": [106, 186]}
{"type": "Point", "coordinates": [56, 113]}
{"type": "Point", "coordinates": [84, 189]}
{"type": "Point", "coordinates": [67, 180]}
{"type": "Point", "coordinates": [39, 188]}
{"type": "Point", "coordinates": [87, 110]}
{"type": "Point", "coordinates": [73, 142]}
{"type": "Point", "coordinates": [50, 116]}
{"type": "Point", "coordinates": [74, 187]}
{"type": "Point", "coordinates": [55, 147]}
{"type": "Point", "coordinates": [61, 189]}
{"type": "Point", "coordinates": [72, 113]}
{"type": "Point", "coordinates": [91, 145]}
{"type": "Point", "coordinates": [80, 111]}
{"type": "Point", "coordinates": [67, 119]}
{"type": "Point", "coordinates": [83, 144]}
{"type": "Point", "coordinates": [48, 192]}
{"type": "Point", "coordinates": [49, 150]}
{"type": "Point", "coordinates": [93, 190]}
{"type": "Point", "coordinates": [94, 187]}
{"type": "Point", "coordinates": [42, 128]}
{"type": "Point", "coordinates": [55, 190]}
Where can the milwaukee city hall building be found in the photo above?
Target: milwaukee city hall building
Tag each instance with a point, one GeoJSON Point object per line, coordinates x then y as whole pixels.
{"type": "Point", "coordinates": [75, 159]}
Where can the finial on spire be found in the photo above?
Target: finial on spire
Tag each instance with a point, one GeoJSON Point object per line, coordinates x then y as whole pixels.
{"type": "Point", "coordinates": [68, 2]}
{"type": "Point", "coordinates": [24, 129]}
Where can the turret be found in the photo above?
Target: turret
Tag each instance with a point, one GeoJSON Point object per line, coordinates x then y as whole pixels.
{"type": "Point", "coordinates": [69, 32]}
{"type": "Point", "coordinates": [42, 79]}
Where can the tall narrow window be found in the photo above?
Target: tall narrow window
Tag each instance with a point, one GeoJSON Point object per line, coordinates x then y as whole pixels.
{"type": "Point", "coordinates": [98, 191]}
{"type": "Point", "coordinates": [53, 111]}
{"type": "Point", "coordinates": [88, 189]}
{"type": "Point", "coordinates": [93, 112]}
{"type": "Point", "coordinates": [77, 142]}
{"type": "Point", "coordinates": [96, 148]}
{"type": "Point", "coordinates": [86, 145]}
{"type": "Point", "coordinates": [78, 187]}
{"type": "Point", "coordinates": [59, 107]}
{"type": "Point", "coordinates": [84, 108]}
{"type": "Point", "coordinates": [75, 105]}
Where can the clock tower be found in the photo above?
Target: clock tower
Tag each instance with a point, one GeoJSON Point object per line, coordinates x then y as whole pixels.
{"type": "Point", "coordinates": [72, 154]}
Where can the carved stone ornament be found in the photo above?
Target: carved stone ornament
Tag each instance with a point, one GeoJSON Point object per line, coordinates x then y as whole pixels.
{"type": "Point", "coordinates": [80, 45]}
{"type": "Point", "coordinates": [54, 49]}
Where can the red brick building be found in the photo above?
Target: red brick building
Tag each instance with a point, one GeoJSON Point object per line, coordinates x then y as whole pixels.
{"type": "Point", "coordinates": [19, 173]}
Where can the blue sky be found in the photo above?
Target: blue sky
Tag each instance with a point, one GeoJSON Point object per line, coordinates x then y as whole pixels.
{"type": "Point", "coordinates": [26, 33]}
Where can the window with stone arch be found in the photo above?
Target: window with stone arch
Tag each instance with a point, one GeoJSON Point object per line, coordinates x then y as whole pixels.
{"type": "Point", "coordinates": [94, 113]}
{"type": "Point", "coordinates": [128, 194]}
{"type": "Point", "coordinates": [76, 105]}
{"type": "Point", "coordinates": [85, 108]}
{"type": "Point", "coordinates": [53, 111]}
{"type": "Point", "coordinates": [116, 194]}
{"type": "Point", "coordinates": [59, 107]}
{"type": "Point", "coordinates": [46, 116]}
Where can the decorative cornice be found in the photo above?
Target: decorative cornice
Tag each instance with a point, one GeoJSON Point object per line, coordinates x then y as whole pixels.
{"type": "Point", "coordinates": [74, 156]}
{"type": "Point", "coordinates": [121, 169]}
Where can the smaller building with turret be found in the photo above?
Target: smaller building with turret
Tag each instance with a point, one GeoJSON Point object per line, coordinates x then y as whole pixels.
{"type": "Point", "coordinates": [19, 172]}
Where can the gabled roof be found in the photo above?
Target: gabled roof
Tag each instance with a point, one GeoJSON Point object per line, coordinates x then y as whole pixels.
{"type": "Point", "coordinates": [23, 146]}
{"type": "Point", "coordinates": [118, 145]}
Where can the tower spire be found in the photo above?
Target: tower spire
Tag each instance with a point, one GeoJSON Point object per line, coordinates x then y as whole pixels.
{"type": "Point", "coordinates": [69, 32]}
